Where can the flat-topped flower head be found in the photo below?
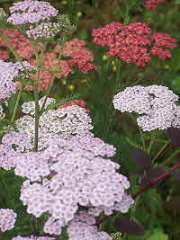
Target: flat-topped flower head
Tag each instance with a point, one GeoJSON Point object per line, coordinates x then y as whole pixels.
{"type": "Point", "coordinates": [30, 12]}
{"type": "Point", "coordinates": [7, 219]}
{"type": "Point", "coordinates": [70, 174]}
{"type": "Point", "coordinates": [156, 104]}
{"type": "Point", "coordinates": [134, 43]}
{"type": "Point", "coordinates": [29, 107]}
{"type": "Point", "coordinates": [18, 42]}
{"type": "Point", "coordinates": [43, 30]}
{"type": "Point", "coordinates": [8, 74]}
{"type": "Point", "coordinates": [66, 121]}
{"type": "Point", "coordinates": [83, 227]}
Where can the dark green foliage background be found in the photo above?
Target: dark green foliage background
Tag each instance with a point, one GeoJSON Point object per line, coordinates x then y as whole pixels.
{"type": "Point", "coordinates": [158, 209]}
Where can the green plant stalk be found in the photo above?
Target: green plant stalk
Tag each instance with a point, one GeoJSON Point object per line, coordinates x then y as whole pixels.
{"type": "Point", "coordinates": [172, 156]}
{"type": "Point", "coordinates": [151, 143]}
{"type": "Point", "coordinates": [161, 151]}
{"type": "Point", "coordinates": [45, 100]}
{"type": "Point", "coordinates": [36, 132]}
{"type": "Point", "coordinates": [16, 106]}
{"type": "Point", "coordinates": [36, 99]}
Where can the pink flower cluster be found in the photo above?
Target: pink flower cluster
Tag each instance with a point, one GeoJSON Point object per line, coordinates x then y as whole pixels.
{"type": "Point", "coordinates": [156, 105]}
{"type": "Point", "coordinates": [83, 228]}
{"type": "Point", "coordinates": [14, 39]}
{"type": "Point", "coordinates": [7, 219]}
{"type": "Point", "coordinates": [133, 43]}
{"type": "Point", "coordinates": [54, 66]}
{"type": "Point", "coordinates": [152, 4]}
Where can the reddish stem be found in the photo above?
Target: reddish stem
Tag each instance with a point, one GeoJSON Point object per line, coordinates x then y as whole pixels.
{"type": "Point", "coordinates": [153, 182]}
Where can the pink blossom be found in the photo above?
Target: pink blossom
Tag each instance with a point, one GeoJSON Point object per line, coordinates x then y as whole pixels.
{"type": "Point", "coordinates": [152, 4]}
{"type": "Point", "coordinates": [134, 43]}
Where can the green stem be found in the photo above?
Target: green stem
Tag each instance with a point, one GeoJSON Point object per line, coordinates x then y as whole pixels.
{"type": "Point", "coordinates": [133, 144]}
{"type": "Point", "coordinates": [36, 133]}
{"type": "Point", "coordinates": [16, 106]}
{"type": "Point", "coordinates": [36, 99]}
{"type": "Point", "coordinates": [45, 100]}
{"type": "Point", "coordinates": [172, 156]}
{"type": "Point", "coordinates": [160, 151]}
{"type": "Point", "coordinates": [142, 140]}
{"type": "Point", "coordinates": [151, 143]}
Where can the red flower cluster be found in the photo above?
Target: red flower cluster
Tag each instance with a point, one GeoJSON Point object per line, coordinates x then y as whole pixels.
{"type": "Point", "coordinates": [78, 55]}
{"type": "Point", "coordinates": [14, 39]}
{"type": "Point", "coordinates": [57, 63]}
{"type": "Point", "coordinates": [133, 43]}
{"type": "Point", "coordinates": [151, 4]}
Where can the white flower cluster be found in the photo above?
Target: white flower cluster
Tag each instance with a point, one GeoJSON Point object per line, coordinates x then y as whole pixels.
{"type": "Point", "coordinates": [13, 143]}
{"type": "Point", "coordinates": [83, 227]}
{"type": "Point", "coordinates": [69, 174]}
{"type": "Point", "coordinates": [156, 104]}
{"type": "Point", "coordinates": [8, 73]}
{"type": "Point", "coordinates": [7, 219]}
{"type": "Point", "coordinates": [44, 30]}
{"type": "Point", "coordinates": [71, 171]}
{"type": "Point", "coordinates": [29, 107]}
{"type": "Point", "coordinates": [66, 121]}
{"type": "Point", "coordinates": [31, 11]}
{"type": "Point", "coordinates": [37, 18]}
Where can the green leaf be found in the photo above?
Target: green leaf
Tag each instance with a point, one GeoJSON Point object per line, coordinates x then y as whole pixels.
{"type": "Point", "coordinates": [176, 84]}
{"type": "Point", "coordinates": [157, 235]}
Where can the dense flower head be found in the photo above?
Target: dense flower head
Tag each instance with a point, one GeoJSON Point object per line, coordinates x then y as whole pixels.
{"type": "Point", "coordinates": [78, 55]}
{"type": "Point", "coordinates": [8, 73]}
{"type": "Point", "coordinates": [133, 43]}
{"type": "Point", "coordinates": [155, 103]}
{"type": "Point", "coordinates": [16, 40]}
{"type": "Point", "coordinates": [83, 227]}
{"type": "Point", "coordinates": [13, 143]}
{"type": "Point", "coordinates": [104, 36]}
{"type": "Point", "coordinates": [33, 238]}
{"type": "Point", "coordinates": [73, 172]}
{"type": "Point", "coordinates": [62, 61]}
{"type": "Point", "coordinates": [7, 219]}
{"type": "Point", "coordinates": [29, 107]}
{"type": "Point", "coordinates": [30, 12]}
{"type": "Point", "coordinates": [59, 62]}
{"type": "Point", "coordinates": [43, 30]}
{"type": "Point", "coordinates": [162, 43]}
{"type": "Point", "coordinates": [152, 4]}
{"type": "Point", "coordinates": [65, 122]}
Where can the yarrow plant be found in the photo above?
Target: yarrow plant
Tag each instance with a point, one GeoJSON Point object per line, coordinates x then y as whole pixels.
{"type": "Point", "coordinates": [133, 43]}
{"type": "Point", "coordinates": [156, 105]}
{"type": "Point", "coordinates": [58, 63]}
{"type": "Point", "coordinates": [70, 181]}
